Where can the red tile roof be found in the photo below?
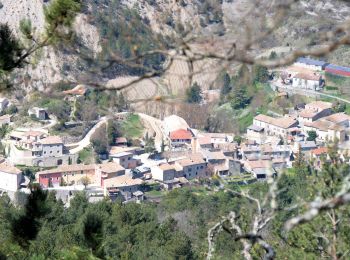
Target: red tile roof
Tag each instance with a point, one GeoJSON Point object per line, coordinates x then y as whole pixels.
{"type": "Point", "coordinates": [181, 134]}
{"type": "Point", "coordinates": [319, 151]}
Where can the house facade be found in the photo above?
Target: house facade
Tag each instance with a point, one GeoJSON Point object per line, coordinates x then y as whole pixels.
{"type": "Point", "coordinates": [125, 159]}
{"type": "Point", "coordinates": [275, 126]}
{"type": "Point", "coordinates": [260, 169]}
{"type": "Point", "coordinates": [326, 131]}
{"type": "Point", "coordinates": [180, 137]}
{"type": "Point", "coordinates": [38, 112]}
{"type": "Point", "coordinates": [191, 168]}
{"type": "Point", "coordinates": [255, 133]}
{"type": "Point", "coordinates": [125, 184]}
{"type": "Point", "coordinates": [307, 81]}
{"type": "Point", "coordinates": [312, 64]}
{"type": "Point", "coordinates": [35, 148]}
{"type": "Point", "coordinates": [79, 173]}
{"type": "Point", "coordinates": [163, 172]}
{"type": "Point", "coordinates": [10, 177]}
{"type": "Point", "coordinates": [314, 111]}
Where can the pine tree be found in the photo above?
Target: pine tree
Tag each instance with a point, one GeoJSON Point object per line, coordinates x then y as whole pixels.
{"type": "Point", "coordinates": [240, 98]}
{"type": "Point", "coordinates": [226, 86]}
{"type": "Point", "coordinates": [261, 74]}
{"type": "Point", "coordinates": [194, 94]}
{"type": "Point", "coordinates": [10, 50]}
{"type": "Point", "coordinates": [312, 135]}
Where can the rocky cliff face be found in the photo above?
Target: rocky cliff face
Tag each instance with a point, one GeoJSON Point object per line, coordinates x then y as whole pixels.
{"type": "Point", "coordinates": [49, 65]}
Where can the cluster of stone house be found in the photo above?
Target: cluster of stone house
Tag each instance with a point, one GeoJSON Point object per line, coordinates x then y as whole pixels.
{"type": "Point", "coordinates": [110, 176]}
{"type": "Point", "coordinates": [316, 116]}
{"type": "Point", "coordinates": [305, 74]}
{"type": "Point", "coordinates": [291, 132]}
{"type": "Point", "coordinates": [269, 146]}
{"type": "Point", "coordinates": [36, 148]}
{"type": "Point", "coordinates": [308, 73]}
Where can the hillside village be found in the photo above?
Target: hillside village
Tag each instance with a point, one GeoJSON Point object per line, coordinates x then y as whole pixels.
{"type": "Point", "coordinates": [188, 129]}
{"type": "Point", "coordinates": [176, 154]}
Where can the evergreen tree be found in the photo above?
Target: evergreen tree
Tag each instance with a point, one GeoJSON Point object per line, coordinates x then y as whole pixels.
{"type": "Point", "coordinates": [112, 132]}
{"type": "Point", "coordinates": [149, 144]}
{"type": "Point", "coordinates": [243, 76]}
{"type": "Point", "coordinates": [10, 50]}
{"type": "Point", "coordinates": [226, 85]}
{"type": "Point", "coordinates": [312, 135]}
{"type": "Point", "coordinates": [240, 98]}
{"type": "Point", "coordinates": [60, 13]}
{"type": "Point", "coordinates": [261, 74]}
{"type": "Point", "coordinates": [122, 102]}
{"type": "Point", "coordinates": [194, 94]}
{"type": "Point", "coordinates": [273, 55]}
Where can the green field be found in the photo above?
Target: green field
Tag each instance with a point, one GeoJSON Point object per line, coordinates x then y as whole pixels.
{"type": "Point", "coordinates": [132, 127]}
{"type": "Point", "coordinates": [86, 155]}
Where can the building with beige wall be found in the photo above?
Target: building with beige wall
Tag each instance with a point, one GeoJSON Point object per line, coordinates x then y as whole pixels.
{"type": "Point", "coordinates": [78, 174]}
{"type": "Point", "coordinates": [34, 148]}
{"type": "Point", "coordinates": [163, 172]}
{"type": "Point", "coordinates": [275, 126]}
{"type": "Point", "coordinates": [326, 131]}
{"type": "Point", "coordinates": [191, 168]}
{"type": "Point", "coordinates": [10, 177]}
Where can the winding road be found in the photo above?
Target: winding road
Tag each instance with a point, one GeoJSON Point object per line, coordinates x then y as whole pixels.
{"type": "Point", "coordinates": [308, 93]}
{"type": "Point", "coordinates": [85, 142]}
{"type": "Point", "coordinates": [151, 124]}
{"type": "Point", "coordinates": [154, 124]}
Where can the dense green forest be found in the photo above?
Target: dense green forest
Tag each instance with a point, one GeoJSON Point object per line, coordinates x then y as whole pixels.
{"type": "Point", "coordinates": [176, 228]}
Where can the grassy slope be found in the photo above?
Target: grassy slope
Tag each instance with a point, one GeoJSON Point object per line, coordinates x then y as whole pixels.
{"type": "Point", "coordinates": [86, 156]}
{"type": "Point", "coordinates": [132, 127]}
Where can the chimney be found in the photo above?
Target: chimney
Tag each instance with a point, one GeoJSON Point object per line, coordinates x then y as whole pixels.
{"type": "Point", "coordinates": [195, 145]}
